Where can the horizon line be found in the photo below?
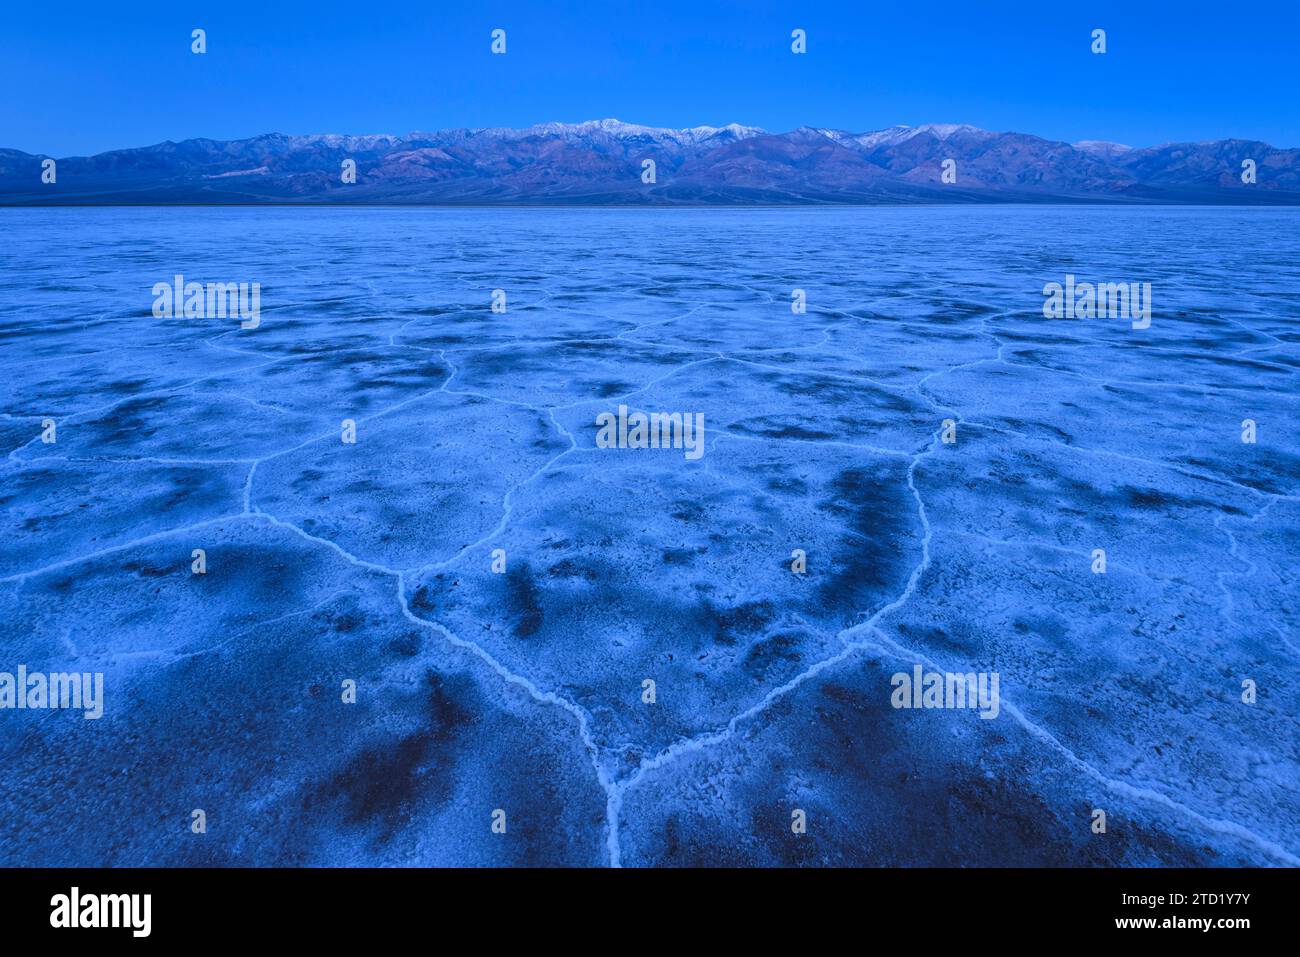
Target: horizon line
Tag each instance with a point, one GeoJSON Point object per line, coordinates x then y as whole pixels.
{"type": "Point", "coordinates": [758, 131]}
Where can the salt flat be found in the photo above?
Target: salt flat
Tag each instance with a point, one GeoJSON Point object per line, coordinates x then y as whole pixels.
{"type": "Point", "coordinates": [500, 588]}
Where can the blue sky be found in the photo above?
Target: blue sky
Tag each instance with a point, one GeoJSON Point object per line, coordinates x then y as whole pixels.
{"type": "Point", "coordinates": [82, 77]}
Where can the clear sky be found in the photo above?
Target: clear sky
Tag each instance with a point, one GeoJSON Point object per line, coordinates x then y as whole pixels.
{"type": "Point", "coordinates": [82, 77]}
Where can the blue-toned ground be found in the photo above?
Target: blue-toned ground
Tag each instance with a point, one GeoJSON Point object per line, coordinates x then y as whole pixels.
{"type": "Point", "coordinates": [522, 690]}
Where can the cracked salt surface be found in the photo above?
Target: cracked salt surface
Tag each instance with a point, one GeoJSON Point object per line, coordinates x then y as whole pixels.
{"type": "Point", "coordinates": [523, 690]}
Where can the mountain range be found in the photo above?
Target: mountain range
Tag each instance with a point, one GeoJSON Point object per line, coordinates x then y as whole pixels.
{"type": "Point", "coordinates": [600, 162]}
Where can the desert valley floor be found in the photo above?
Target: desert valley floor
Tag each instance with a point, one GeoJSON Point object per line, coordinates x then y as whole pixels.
{"type": "Point", "coordinates": [522, 691]}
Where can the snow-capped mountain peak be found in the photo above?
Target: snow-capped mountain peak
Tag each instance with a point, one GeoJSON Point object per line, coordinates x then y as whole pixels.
{"type": "Point", "coordinates": [1102, 147]}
